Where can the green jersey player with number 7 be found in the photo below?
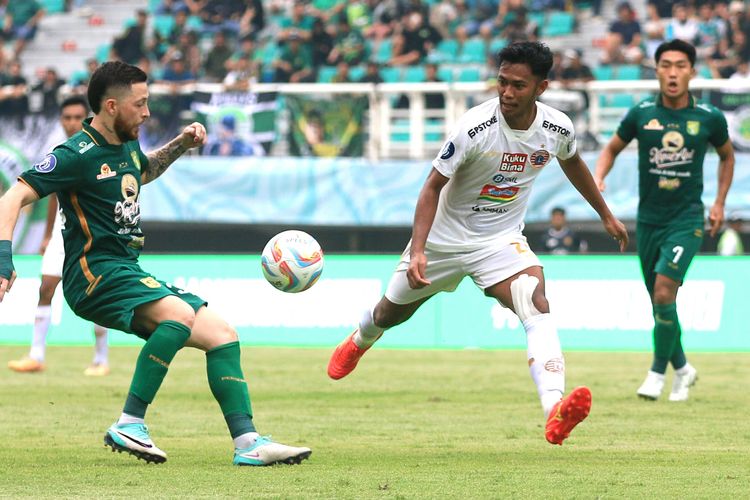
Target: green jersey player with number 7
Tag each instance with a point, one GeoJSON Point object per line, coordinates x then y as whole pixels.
{"type": "Point", "coordinates": [673, 131]}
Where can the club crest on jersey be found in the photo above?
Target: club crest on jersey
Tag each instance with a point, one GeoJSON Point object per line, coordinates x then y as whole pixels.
{"type": "Point", "coordinates": [693, 127]}
{"type": "Point", "coordinates": [499, 194]}
{"type": "Point", "coordinates": [653, 124]}
{"type": "Point", "coordinates": [137, 161]}
{"type": "Point", "coordinates": [448, 150]}
{"type": "Point", "coordinates": [539, 158]}
{"type": "Point", "coordinates": [513, 162]}
{"type": "Point", "coordinates": [48, 164]}
{"type": "Point", "coordinates": [105, 172]}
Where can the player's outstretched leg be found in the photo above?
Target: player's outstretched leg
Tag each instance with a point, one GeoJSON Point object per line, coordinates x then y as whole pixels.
{"type": "Point", "coordinates": [568, 413]}
{"type": "Point", "coordinates": [345, 358]}
{"type": "Point", "coordinates": [134, 439]}
{"type": "Point", "coordinates": [684, 379]}
{"type": "Point", "coordinates": [266, 452]}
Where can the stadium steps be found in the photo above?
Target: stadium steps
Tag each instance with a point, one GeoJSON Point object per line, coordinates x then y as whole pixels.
{"type": "Point", "coordinates": [47, 48]}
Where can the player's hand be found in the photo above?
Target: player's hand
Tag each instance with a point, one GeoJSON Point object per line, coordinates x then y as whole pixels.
{"type": "Point", "coordinates": [415, 272]}
{"type": "Point", "coordinates": [716, 218]}
{"type": "Point", "coordinates": [617, 230]}
{"type": "Point", "coordinates": [6, 284]}
{"type": "Point", "coordinates": [600, 184]}
{"type": "Point", "coordinates": [193, 136]}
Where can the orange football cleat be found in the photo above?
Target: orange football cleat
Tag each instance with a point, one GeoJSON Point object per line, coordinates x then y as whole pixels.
{"type": "Point", "coordinates": [96, 370]}
{"type": "Point", "coordinates": [26, 365]}
{"type": "Point", "coordinates": [345, 358]}
{"type": "Point", "coordinates": [568, 413]}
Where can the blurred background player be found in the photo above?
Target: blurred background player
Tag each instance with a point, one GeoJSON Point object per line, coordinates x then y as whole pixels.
{"type": "Point", "coordinates": [730, 242]}
{"type": "Point", "coordinates": [559, 239]}
{"type": "Point", "coordinates": [469, 219]}
{"type": "Point", "coordinates": [73, 110]}
{"type": "Point", "coordinates": [673, 131]}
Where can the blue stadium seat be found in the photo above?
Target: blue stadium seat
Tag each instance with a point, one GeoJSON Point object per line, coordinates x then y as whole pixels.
{"type": "Point", "coordinates": [603, 72]}
{"type": "Point", "coordinates": [102, 52]}
{"type": "Point", "coordinates": [390, 74]}
{"type": "Point", "coordinates": [384, 51]}
{"type": "Point", "coordinates": [473, 51]}
{"type": "Point", "coordinates": [445, 73]}
{"type": "Point", "coordinates": [445, 51]}
{"type": "Point", "coordinates": [53, 6]}
{"type": "Point", "coordinates": [163, 25]}
{"type": "Point", "coordinates": [558, 24]}
{"type": "Point", "coordinates": [357, 72]}
{"type": "Point", "coordinates": [413, 74]}
{"type": "Point", "coordinates": [469, 74]}
{"type": "Point", "coordinates": [497, 45]}
{"type": "Point", "coordinates": [325, 74]}
{"type": "Point", "coordinates": [628, 72]}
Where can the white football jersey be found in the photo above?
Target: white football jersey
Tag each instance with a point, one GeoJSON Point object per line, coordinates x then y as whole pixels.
{"type": "Point", "coordinates": [491, 170]}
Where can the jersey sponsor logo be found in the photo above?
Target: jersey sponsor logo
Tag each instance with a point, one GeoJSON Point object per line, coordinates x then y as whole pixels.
{"type": "Point", "coordinates": [653, 124]}
{"type": "Point", "coordinates": [539, 158]}
{"type": "Point", "coordinates": [513, 162]}
{"type": "Point", "coordinates": [448, 150]}
{"type": "Point", "coordinates": [672, 153]}
{"type": "Point", "coordinates": [85, 146]}
{"type": "Point", "coordinates": [499, 194]}
{"type": "Point", "coordinates": [481, 126]}
{"type": "Point", "coordinates": [105, 172]}
{"type": "Point", "coordinates": [494, 210]}
{"type": "Point", "coordinates": [498, 178]}
{"type": "Point", "coordinates": [136, 160]}
{"type": "Point", "coordinates": [693, 127]}
{"type": "Point", "coordinates": [552, 127]}
{"type": "Point", "coordinates": [47, 165]}
{"type": "Point", "coordinates": [150, 282]}
{"type": "Point", "coordinates": [669, 184]}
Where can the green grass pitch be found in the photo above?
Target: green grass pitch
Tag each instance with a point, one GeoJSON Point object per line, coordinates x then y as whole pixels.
{"type": "Point", "coordinates": [406, 424]}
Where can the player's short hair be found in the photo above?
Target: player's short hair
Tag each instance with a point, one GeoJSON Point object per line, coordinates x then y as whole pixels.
{"type": "Point", "coordinates": [75, 100]}
{"type": "Point", "coordinates": [535, 54]}
{"type": "Point", "coordinates": [557, 210]}
{"type": "Point", "coordinates": [110, 75]}
{"type": "Point", "coordinates": [676, 45]}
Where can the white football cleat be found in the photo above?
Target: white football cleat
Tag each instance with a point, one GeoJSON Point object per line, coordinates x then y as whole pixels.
{"type": "Point", "coordinates": [651, 387]}
{"type": "Point", "coordinates": [683, 382]}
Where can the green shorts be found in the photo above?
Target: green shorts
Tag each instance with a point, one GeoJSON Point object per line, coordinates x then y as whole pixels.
{"type": "Point", "coordinates": [122, 288]}
{"type": "Point", "coordinates": [668, 250]}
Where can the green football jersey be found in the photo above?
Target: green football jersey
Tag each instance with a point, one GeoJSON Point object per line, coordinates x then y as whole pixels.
{"type": "Point", "coordinates": [98, 187]}
{"type": "Point", "coordinates": [672, 144]}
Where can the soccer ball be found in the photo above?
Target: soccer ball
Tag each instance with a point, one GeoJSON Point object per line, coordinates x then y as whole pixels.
{"type": "Point", "coordinates": [292, 261]}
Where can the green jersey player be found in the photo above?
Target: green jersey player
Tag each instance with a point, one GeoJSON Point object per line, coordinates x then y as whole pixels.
{"type": "Point", "coordinates": [673, 131]}
{"type": "Point", "coordinates": [97, 176]}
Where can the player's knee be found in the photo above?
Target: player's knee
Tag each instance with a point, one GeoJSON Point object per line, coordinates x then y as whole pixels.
{"type": "Point", "coordinates": [225, 334]}
{"type": "Point", "coordinates": [528, 300]}
{"type": "Point", "coordinates": [184, 315]}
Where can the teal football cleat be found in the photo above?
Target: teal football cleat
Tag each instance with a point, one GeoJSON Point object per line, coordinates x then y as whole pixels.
{"type": "Point", "coordinates": [266, 452]}
{"type": "Point", "coordinates": [134, 439]}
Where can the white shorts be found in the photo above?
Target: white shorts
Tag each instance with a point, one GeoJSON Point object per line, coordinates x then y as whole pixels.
{"type": "Point", "coordinates": [54, 255]}
{"type": "Point", "coordinates": [486, 266]}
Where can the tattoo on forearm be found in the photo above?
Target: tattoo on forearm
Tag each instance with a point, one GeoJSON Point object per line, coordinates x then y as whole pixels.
{"type": "Point", "coordinates": [162, 158]}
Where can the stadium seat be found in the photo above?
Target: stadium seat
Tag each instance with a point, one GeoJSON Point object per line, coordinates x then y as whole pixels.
{"type": "Point", "coordinates": [413, 74]}
{"type": "Point", "coordinates": [469, 74]}
{"type": "Point", "coordinates": [325, 74]}
{"type": "Point", "coordinates": [53, 6]}
{"type": "Point", "coordinates": [384, 51]}
{"type": "Point", "coordinates": [628, 72]}
{"type": "Point", "coordinates": [473, 51]}
{"type": "Point", "coordinates": [102, 52]}
{"type": "Point", "coordinates": [153, 5]}
{"type": "Point", "coordinates": [78, 76]}
{"type": "Point", "coordinates": [163, 25]}
{"type": "Point", "coordinates": [356, 73]}
{"type": "Point", "coordinates": [445, 73]}
{"type": "Point", "coordinates": [603, 72]}
{"type": "Point", "coordinates": [497, 45]}
{"type": "Point", "coordinates": [558, 24]}
{"type": "Point", "coordinates": [390, 74]}
{"type": "Point", "coordinates": [194, 23]}
{"type": "Point", "coordinates": [704, 71]}
{"type": "Point", "coordinates": [400, 130]}
{"type": "Point", "coordinates": [446, 51]}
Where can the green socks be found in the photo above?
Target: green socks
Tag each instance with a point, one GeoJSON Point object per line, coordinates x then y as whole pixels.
{"type": "Point", "coordinates": [666, 337]}
{"type": "Point", "coordinates": [228, 386]}
{"type": "Point", "coordinates": [152, 365]}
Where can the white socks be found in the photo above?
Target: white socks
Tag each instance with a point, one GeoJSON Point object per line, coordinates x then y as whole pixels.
{"type": "Point", "coordinates": [367, 333]}
{"type": "Point", "coordinates": [39, 338]}
{"type": "Point", "coordinates": [101, 350]}
{"type": "Point", "coordinates": [546, 362]}
{"type": "Point", "coordinates": [684, 370]}
{"type": "Point", "coordinates": [246, 440]}
{"type": "Point", "coordinates": [128, 419]}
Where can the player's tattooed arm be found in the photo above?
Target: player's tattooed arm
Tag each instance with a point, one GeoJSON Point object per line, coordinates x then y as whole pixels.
{"type": "Point", "coordinates": [161, 159]}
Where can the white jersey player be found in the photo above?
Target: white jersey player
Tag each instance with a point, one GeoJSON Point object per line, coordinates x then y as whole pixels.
{"type": "Point", "coordinates": [469, 222]}
{"type": "Point", "coordinates": [72, 112]}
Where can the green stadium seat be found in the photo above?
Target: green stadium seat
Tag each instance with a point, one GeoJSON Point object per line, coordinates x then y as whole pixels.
{"type": "Point", "coordinates": [469, 74]}
{"type": "Point", "coordinates": [473, 51]}
{"type": "Point", "coordinates": [384, 51]}
{"type": "Point", "coordinates": [413, 74]}
{"type": "Point", "coordinates": [558, 24]}
{"type": "Point", "coordinates": [53, 6]}
{"type": "Point", "coordinates": [628, 72]}
{"type": "Point", "coordinates": [390, 74]}
{"type": "Point", "coordinates": [603, 72]}
{"type": "Point", "coordinates": [163, 25]}
{"type": "Point", "coordinates": [325, 74]}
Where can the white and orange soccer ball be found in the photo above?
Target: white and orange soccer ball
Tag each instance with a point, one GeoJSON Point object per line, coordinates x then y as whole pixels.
{"type": "Point", "coordinates": [292, 261]}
